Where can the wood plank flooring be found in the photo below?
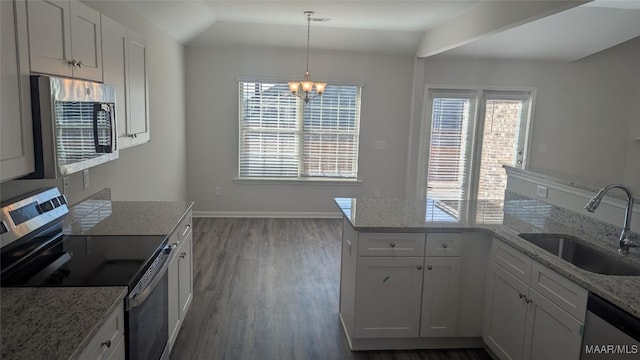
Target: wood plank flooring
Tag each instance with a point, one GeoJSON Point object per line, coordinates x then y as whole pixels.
{"type": "Point", "coordinates": [268, 289]}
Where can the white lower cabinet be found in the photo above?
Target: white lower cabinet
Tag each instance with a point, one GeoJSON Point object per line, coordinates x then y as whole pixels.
{"type": "Point", "coordinates": [507, 310]}
{"type": "Point", "coordinates": [408, 290]}
{"type": "Point", "coordinates": [180, 275]}
{"type": "Point", "coordinates": [108, 343]}
{"type": "Point", "coordinates": [522, 323]}
{"type": "Point", "coordinates": [388, 293]}
{"type": "Point", "coordinates": [440, 289]}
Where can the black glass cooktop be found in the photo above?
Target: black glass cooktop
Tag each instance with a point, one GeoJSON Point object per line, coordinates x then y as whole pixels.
{"type": "Point", "coordinates": [80, 261]}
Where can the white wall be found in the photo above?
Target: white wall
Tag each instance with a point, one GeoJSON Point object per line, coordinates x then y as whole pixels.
{"type": "Point", "coordinates": [212, 126]}
{"type": "Point", "coordinates": [582, 114]}
{"type": "Point", "coordinates": [153, 171]}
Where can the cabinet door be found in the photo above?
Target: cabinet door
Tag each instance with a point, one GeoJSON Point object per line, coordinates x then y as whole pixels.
{"type": "Point", "coordinates": [138, 120]}
{"type": "Point", "coordinates": [185, 275]}
{"type": "Point", "coordinates": [16, 147]}
{"type": "Point", "coordinates": [440, 291]}
{"type": "Point", "coordinates": [388, 291]}
{"type": "Point", "coordinates": [174, 291]}
{"type": "Point", "coordinates": [86, 42]}
{"type": "Point", "coordinates": [348, 274]}
{"type": "Point", "coordinates": [506, 312]}
{"type": "Point", "coordinates": [551, 332]}
{"type": "Point", "coordinates": [50, 37]}
{"type": "Point", "coordinates": [114, 69]}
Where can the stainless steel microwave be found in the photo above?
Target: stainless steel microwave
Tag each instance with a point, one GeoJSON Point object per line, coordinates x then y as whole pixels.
{"type": "Point", "coordinates": [74, 125]}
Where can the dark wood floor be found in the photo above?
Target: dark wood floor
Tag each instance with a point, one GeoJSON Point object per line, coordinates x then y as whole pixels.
{"type": "Point", "coordinates": [268, 289]}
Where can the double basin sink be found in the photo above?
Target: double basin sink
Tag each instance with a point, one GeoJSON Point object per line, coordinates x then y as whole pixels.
{"type": "Point", "coordinates": [576, 251]}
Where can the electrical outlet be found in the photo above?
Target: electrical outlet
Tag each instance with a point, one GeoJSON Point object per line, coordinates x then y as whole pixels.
{"type": "Point", "coordinates": [376, 193]}
{"type": "Point", "coordinates": [541, 191]}
{"type": "Point", "coordinates": [85, 178]}
{"type": "Point", "coordinates": [218, 191]}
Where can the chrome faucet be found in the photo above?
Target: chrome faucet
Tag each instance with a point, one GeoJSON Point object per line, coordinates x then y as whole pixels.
{"type": "Point", "coordinates": [592, 205]}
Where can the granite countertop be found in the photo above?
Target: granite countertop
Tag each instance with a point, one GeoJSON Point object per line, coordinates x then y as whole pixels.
{"type": "Point", "coordinates": [106, 217]}
{"type": "Point", "coordinates": [400, 215]}
{"type": "Point", "coordinates": [54, 323]}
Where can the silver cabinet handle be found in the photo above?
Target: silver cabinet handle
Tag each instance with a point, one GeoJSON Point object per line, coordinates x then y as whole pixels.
{"type": "Point", "coordinates": [106, 343]}
{"type": "Point", "coordinates": [521, 296]}
{"type": "Point", "coordinates": [528, 301]}
{"type": "Point", "coordinates": [392, 244]}
{"type": "Point", "coordinates": [419, 267]}
{"type": "Point", "coordinates": [71, 62]}
{"type": "Point", "coordinates": [429, 267]}
{"type": "Point", "coordinates": [445, 246]}
{"type": "Point", "coordinates": [183, 255]}
{"type": "Point", "coordinates": [79, 64]}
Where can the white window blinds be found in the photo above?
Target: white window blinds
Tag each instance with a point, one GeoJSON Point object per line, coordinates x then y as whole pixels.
{"type": "Point", "coordinates": [282, 137]}
{"type": "Point", "coordinates": [449, 153]}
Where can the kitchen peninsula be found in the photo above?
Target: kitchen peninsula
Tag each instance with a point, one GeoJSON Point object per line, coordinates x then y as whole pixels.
{"type": "Point", "coordinates": [426, 274]}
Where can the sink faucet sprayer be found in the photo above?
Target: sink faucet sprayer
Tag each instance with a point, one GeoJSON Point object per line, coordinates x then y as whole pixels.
{"type": "Point", "coordinates": [592, 205]}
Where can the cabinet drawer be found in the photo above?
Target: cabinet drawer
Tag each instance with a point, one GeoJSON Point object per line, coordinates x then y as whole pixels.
{"type": "Point", "coordinates": [444, 244]}
{"type": "Point", "coordinates": [106, 340]}
{"type": "Point", "coordinates": [184, 228]}
{"type": "Point", "coordinates": [512, 260]}
{"type": "Point", "coordinates": [391, 244]}
{"type": "Point", "coordinates": [561, 291]}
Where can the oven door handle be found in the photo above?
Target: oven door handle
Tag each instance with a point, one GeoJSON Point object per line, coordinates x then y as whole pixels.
{"type": "Point", "coordinates": [138, 298]}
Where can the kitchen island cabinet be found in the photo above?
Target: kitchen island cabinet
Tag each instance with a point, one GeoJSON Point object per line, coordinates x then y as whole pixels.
{"type": "Point", "coordinates": [515, 298]}
{"type": "Point", "coordinates": [405, 290]}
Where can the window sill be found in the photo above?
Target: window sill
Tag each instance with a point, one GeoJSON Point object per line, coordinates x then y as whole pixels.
{"type": "Point", "coordinates": [316, 181]}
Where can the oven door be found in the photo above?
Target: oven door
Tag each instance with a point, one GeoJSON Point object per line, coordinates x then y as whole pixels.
{"type": "Point", "coordinates": [147, 316]}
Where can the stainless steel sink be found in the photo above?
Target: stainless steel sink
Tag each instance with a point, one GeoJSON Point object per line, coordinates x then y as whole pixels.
{"type": "Point", "coordinates": [575, 251]}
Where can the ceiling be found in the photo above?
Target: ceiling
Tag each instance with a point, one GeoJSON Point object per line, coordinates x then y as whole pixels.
{"type": "Point", "coordinates": [546, 29]}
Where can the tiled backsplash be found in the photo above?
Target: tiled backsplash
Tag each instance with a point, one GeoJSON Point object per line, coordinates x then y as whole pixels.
{"type": "Point", "coordinates": [534, 215]}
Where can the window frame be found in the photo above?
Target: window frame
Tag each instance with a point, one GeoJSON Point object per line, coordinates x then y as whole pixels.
{"type": "Point", "coordinates": [300, 133]}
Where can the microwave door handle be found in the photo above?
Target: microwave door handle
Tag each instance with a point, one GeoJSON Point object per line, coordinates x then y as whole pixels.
{"type": "Point", "coordinates": [107, 109]}
{"type": "Point", "coordinates": [97, 108]}
{"type": "Point", "coordinates": [113, 132]}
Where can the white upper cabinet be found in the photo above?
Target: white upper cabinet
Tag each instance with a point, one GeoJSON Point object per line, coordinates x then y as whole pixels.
{"type": "Point", "coordinates": [138, 122]}
{"type": "Point", "coordinates": [124, 61]}
{"type": "Point", "coordinates": [64, 39]}
{"type": "Point", "coordinates": [16, 146]}
{"type": "Point", "coordinates": [115, 70]}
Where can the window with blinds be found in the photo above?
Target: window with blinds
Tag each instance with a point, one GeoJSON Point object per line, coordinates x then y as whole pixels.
{"type": "Point", "coordinates": [282, 137]}
{"type": "Point", "coordinates": [448, 151]}
{"type": "Point", "coordinates": [468, 145]}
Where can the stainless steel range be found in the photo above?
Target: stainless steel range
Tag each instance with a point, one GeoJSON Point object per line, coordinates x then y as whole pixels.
{"type": "Point", "coordinates": [36, 253]}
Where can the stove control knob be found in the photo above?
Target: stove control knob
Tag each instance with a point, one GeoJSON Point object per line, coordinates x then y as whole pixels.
{"type": "Point", "coordinates": [46, 206]}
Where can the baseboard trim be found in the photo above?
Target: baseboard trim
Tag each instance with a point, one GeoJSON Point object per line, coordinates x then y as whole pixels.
{"type": "Point", "coordinates": [267, 214]}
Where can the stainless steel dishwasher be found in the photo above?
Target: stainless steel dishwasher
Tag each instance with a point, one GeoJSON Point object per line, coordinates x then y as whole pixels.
{"type": "Point", "coordinates": [610, 332]}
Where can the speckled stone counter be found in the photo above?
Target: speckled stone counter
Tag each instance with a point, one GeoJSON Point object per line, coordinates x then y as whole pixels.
{"type": "Point", "coordinates": [399, 215]}
{"type": "Point", "coordinates": [106, 217]}
{"type": "Point", "coordinates": [53, 323]}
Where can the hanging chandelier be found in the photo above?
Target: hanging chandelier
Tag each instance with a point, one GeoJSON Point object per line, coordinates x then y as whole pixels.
{"type": "Point", "coordinates": [302, 89]}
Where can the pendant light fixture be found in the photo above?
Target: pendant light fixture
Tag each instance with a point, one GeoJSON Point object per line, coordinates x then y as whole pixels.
{"type": "Point", "coordinates": [302, 89]}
